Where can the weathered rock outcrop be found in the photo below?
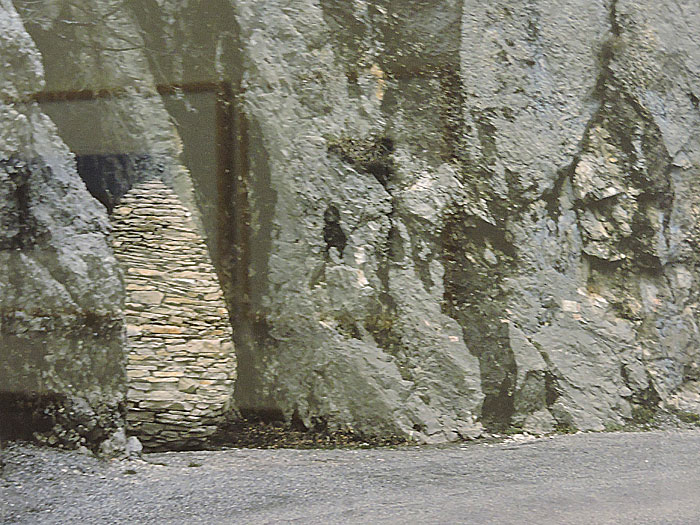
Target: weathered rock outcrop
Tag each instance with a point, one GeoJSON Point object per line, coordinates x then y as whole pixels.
{"type": "Point", "coordinates": [61, 321]}
{"type": "Point", "coordinates": [465, 181]}
{"type": "Point", "coordinates": [428, 218]}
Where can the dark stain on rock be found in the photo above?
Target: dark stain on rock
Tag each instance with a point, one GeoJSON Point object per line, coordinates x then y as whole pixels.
{"type": "Point", "coordinates": [381, 323]}
{"type": "Point", "coordinates": [347, 327]}
{"type": "Point", "coordinates": [333, 234]}
{"type": "Point", "coordinates": [552, 196]}
{"type": "Point", "coordinates": [613, 276]}
{"type": "Point", "coordinates": [18, 224]}
{"type": "Point", "coordinates": [551, 388]}
{"type": "Point", "coordinates": [487, 136]}
{"type": "Point", "coordinates": [451, 103]}
{"type": "Point", "coordinates": [477, 258]}
{"type": "Point", "coordinates": [371, 155]}
{"type": "Point", "coordinates": [644, 166]}
{"type": "Point", "coordinates": [422, 266]}
{"type": "Point", "coordinates": [395, 250]}
{"type": "Point", "coordinates": [645, 402]}
{"type": "Point", "coordinates": [694, 100]}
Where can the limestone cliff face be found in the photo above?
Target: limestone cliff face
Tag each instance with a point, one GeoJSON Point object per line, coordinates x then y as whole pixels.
{"type": "Point", "coordinates": [61, 322]}
{"type": "Point", "coordinates": [428, 218]}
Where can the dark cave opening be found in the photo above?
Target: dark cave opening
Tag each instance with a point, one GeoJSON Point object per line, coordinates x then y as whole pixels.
{"type": "Point", "coordinates": [108, 177]}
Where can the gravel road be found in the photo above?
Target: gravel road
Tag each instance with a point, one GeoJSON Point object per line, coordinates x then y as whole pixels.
{"type": "Point", "coordinates": [640, 478]}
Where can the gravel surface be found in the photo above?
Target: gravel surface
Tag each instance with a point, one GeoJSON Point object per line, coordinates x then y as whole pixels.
{"type": "Point", "coordinates": [651, 477]}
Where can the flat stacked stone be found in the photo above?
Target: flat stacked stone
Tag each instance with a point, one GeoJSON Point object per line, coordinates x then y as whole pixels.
{"type": "Point", "coordinates": [181, 364]}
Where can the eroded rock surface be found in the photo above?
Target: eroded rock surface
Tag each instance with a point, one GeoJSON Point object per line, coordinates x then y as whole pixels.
{"type": "Point", "coordinates": [428, 218]}
{"type": "Point", "coordinates": [61, 321]}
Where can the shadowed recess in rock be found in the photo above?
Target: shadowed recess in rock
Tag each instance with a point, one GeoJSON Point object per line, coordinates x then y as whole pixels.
{"type": "Point", "coordinates": [109, 177]}
{"type": "Point", "coordinates": [477, 259]}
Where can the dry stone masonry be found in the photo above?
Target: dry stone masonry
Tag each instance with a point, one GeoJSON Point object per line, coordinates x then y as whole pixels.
{"type": "Point", "coordinates": [181, 363]}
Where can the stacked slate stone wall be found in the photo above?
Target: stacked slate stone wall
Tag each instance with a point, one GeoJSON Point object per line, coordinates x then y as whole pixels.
{"type": "Point", "coordinates": [181, 362]}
